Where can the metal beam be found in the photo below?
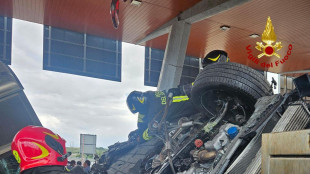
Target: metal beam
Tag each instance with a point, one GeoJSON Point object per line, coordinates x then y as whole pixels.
{"type": "Point", "coordinates": [174, 57]}
{"type": "Point", "coordinates": [202, 10]}
{"type": "Point", "coordinates": [164, 29]}
{"type": "Point", "coordinates": [208, 8]}
{"type": "Point", "coordinates": [5, 148]}
{"type": "Point", "coordinates": [296, 72]}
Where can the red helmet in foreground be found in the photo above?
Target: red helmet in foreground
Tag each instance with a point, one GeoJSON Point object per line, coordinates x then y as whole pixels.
{"type": "Point", "coordinates": [35, 146]}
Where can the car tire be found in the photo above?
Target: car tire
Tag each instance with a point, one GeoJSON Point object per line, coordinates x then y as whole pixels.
{"type": "Point", "coordinates": [233, 78]}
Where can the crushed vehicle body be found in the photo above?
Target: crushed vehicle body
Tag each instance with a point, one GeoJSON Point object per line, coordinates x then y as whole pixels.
{"type": "Point", "coordinates": [16, 113]}
{"type": "Point", "coordinates": [236, 106]}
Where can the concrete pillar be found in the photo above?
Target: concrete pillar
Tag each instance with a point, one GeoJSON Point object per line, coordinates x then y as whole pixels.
{"type": "Point", "coordinates": [279, 85]}
{"type": "Point", "coordinates": [171, 71]}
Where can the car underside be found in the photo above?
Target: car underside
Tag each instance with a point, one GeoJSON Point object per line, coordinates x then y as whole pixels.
{"type": "Point", "coordinates": [237, 107]}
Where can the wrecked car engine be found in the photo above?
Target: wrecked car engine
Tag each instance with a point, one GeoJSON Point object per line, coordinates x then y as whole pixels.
{"type": "Point", "coordinates": [232, 119]}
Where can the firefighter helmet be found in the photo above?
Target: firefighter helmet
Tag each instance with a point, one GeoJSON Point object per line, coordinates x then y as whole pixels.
{"type": "Point", "coordinates": [136, 101]}
{"type": "Point", "coordinates": [215, 56]}
{"type": "Point", "coordinates": [35, 146]}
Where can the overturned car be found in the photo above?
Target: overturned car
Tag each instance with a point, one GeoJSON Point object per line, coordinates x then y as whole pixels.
{"type": "Point", "coordinates": [236, 106]}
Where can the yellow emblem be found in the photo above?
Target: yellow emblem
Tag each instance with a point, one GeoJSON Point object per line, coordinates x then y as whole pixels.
{"type": "Point", "coordinates": [15, 153]}
{"type": "Point", "coordinates": [133, 107]}
{"type": "Point", "coordinates": [55, 136]}
{"type": "Point", "coordinates": [141, 100]}
{"type": "Point", "coordinates": [269, 37]}
{"type": "Point", "coordinates": [44, 151]}
{"type": "Point", "coordinates": [215, 59]}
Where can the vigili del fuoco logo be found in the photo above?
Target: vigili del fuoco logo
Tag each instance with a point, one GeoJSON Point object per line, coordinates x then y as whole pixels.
{"type": "Point", "coordinates": [268, 48]}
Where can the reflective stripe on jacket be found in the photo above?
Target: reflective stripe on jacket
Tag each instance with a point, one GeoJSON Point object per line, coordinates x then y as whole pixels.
{"type": "Point", "coordinates": [180, 98]}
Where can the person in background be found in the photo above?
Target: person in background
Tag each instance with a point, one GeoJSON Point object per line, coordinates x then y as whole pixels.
{"type": "Point", "coordinates": [212, 57]}
{"type": "Point", "coordinates": [86, 166]}
{"type": "Point", "coordinates": [78, 169]}
{"type": "Point", "coordinates": [79, 163]}
{"type": "Point", "coordinates": [72, 164]}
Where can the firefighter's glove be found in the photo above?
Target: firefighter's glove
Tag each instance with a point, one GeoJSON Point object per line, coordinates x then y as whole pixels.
{"type": "Point", "coordinates": [146, 135]}
{"type": "Point", "coordinates": [174, 91]}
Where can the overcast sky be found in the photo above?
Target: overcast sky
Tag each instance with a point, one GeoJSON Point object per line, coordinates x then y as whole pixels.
{"type": "Point", "coordinates": [70, 104]}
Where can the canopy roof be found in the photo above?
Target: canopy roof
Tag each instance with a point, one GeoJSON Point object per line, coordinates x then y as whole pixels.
{"type": "Point", "coordinates": [289, 18]}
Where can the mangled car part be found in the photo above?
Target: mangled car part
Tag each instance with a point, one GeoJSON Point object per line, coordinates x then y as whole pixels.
{"type": "Point", "coordinates": [296, 117]}
{"type": "Point", "coordinates": [229, 126]}
{"type": "Point", "coordinates": [226, 93]}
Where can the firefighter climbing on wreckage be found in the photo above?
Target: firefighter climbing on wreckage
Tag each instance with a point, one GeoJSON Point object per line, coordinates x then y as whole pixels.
{"type": "Point", "coordinates": [150, 106]}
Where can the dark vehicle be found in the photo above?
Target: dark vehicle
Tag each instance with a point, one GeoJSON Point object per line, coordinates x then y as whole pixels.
{"type": "Point", "coordinates": [237, 106]}
{"type": "Point", "coordinates": [16, 113]}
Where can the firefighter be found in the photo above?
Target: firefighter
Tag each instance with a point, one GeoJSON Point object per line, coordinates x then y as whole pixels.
{"type": "Point", "coordinates": [39, 150]}
{"type": "Point", "coordinates": [212, 57]}
{"type": "Point", "coordinates": [151, 104]}
{"type": "Point", "coordinates": [215, 56]}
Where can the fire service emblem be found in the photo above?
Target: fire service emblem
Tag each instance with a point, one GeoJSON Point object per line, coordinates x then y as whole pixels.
{"type": "Point", "coordinates": [268, 37]}
{"type": "Point", "coordinates": [268, 48]}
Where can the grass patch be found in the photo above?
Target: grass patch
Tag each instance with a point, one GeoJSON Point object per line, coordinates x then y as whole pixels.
{"type": "Point", "coordinates": [76, 151]}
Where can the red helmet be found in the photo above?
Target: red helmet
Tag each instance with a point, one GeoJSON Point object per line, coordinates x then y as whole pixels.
{"type": "Point", "coordinates": [35, 146]}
